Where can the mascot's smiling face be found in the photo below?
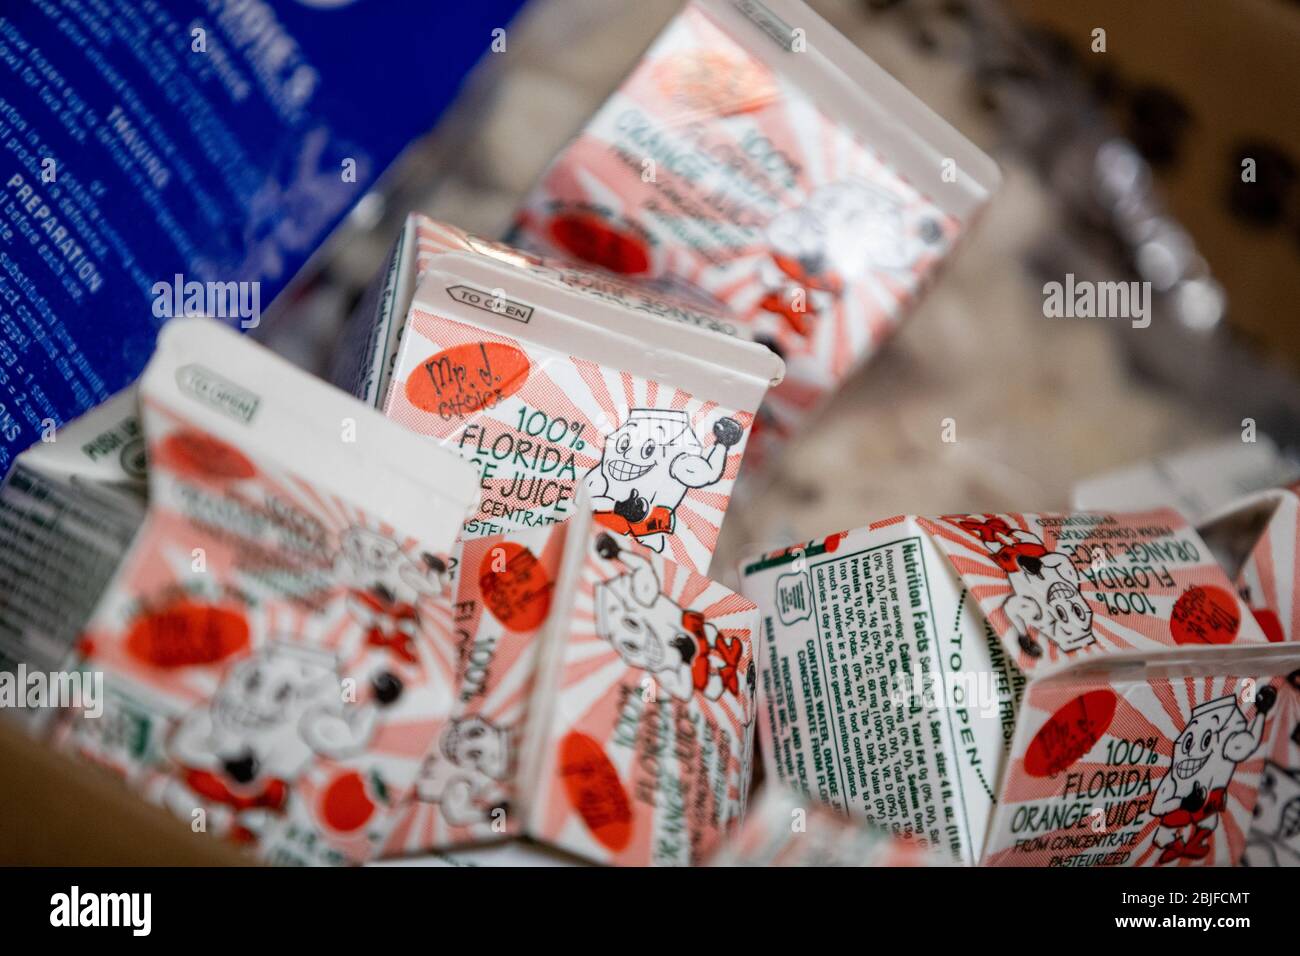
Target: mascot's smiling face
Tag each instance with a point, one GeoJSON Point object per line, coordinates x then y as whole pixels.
{"type": "Point", "coordinates": [638, 453]}
{"type": "Point", "coordinates": [1199, 756]}
{"type": "Point", "coordinates": [368, 552]}
{"type": "Point", "coordinates": [628, 625]}
{"type": "Point", "coordinates": [270, 690]}
{"type": "Point", "coordinates": [472, 742]}
{"type": "Point", "coordinates": [1069, 621]}
{"type": "Point", "coordinates": [1277, 811]}
{"type": "Point", "coordinates": [845, 229]}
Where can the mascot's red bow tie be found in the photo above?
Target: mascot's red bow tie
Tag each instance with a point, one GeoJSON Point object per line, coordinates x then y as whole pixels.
{"type": "Point", "coordinates": [729, 672]}
{"type": "Point", "coordinates": [393, 630]}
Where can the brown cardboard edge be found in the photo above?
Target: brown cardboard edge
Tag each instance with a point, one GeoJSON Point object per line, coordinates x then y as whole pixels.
{"type": "Point", "coordinates": [55, 811]}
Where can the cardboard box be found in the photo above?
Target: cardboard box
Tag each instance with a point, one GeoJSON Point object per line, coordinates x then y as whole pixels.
{"type": "Point", "coordinates": [55, 811]}
{"type": "Point", "coordinates": [229, 181]}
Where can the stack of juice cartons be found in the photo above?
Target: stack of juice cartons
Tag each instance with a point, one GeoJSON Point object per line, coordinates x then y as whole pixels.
{"type": "Point", "coordinates": [311, 645]}
{"type": "Point", "coordinates": [1026, 689]}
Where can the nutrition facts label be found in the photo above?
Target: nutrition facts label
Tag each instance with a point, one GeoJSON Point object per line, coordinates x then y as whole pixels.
{"type": "Point", "coordinates": [61, 546]}
{"type": "Point", "coordinates": [852, 710]}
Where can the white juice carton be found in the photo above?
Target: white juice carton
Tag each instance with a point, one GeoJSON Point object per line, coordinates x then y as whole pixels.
{"type": "Point", "coordinates": [757, 158]}
{"type": "Point", "coordinates": [272, 666]}
{"type": "Point", "coordinates": [640, 733]}
{"type": "Point", "coordinates": [1150, 761]}
{"type": "Point", "coordinates": [552, 379]}
{"type": "Point", "coordinates": [604, 706]}
{"type": "Point", "coordinates": [69, 508]}
{"type": "Point", "coordinates": [901, 670]}
{"type": "Point", "coordinates": [497, 603]}
{"type": "Point", "coordinates": [1259, 541]}
{"type": "Point", "coordinates": [883, 691]}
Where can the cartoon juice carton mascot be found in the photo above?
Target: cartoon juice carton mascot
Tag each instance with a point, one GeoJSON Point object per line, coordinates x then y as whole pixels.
{"type": "Point", "coordinates": [467, 777]}
{"type": "Point", "coordinates": [1274, 838]}
{"type": "Point", "coordinates": [648, 465]}
{"type": "Point", "coordinates": [843, 231]}
{"type": "Point", "coordinates": [240, 753]}
{"type": "Point", "coordinates": [650, 631]}
{"type": "Point", "coordinates": [1045, 585]}
{"type": "Point", "coordinates": [384, 586]}
{"type": "Point", "coordinates": [1194, 792]}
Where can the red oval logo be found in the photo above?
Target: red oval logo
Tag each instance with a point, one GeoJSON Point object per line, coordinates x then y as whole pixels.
{"type": "Point", "coordinates": [186, 634]}
{"type": "Point", "coordinates": [595, 791]}
{"type": "Point", "coordinates": [345, 805]}
{"type": "Point", "coordinates": [1205, 615]}
{"type": "Point", "coordinates": [467, 379]}
{"type": "Point", "coordinates": [514, 586]}
{"type": "Point", "coordinates": [592, 239]}
{"type": "Point", "coordinates": [1070, 733]}
{"type": "Point", "coordinates": [197, 454]}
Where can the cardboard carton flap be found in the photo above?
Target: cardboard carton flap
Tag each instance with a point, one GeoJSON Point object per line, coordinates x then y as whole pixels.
{"type": "Point", "coordinates": [710, 367]}
{"type": "Point", "coordinates": [1061, 588]}
{"type": "Point", "coordinates": [853, 88]}
{"type": "Point", "coordinates": [250, 397]}
{"type": "Point", "coordinates": [103, 447]}
{"type": "Point", "coordinates": [597, 316]}
{"type": "Point", "coordinates": [579, 285]}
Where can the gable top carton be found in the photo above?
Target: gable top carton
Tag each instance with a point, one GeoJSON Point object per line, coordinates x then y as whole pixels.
{"type": "Point", "coordinates": [270, 651]}
{"type": "Point", "coordinates": [759, 158]}
{"type": "Point", "coordinates": [551, 379]}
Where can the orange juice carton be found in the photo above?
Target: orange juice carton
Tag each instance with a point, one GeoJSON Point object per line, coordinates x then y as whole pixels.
{"type": "Point", "coordinates": [896, 659]}
{"type": "Point", "coordinates": [551, 379]}
{"type": "Point", "coordinates": [783, 828]}
{"type": "Point", "coordinates": [757, 157]}
{"type": "Point", "coordinates": [1144, 762]}
{"type": "Point", "coordinates": [640, 734]}
{"type": "Point", "coordinates": [69, 508]}
{"type": "Point", "coordinates": [500, 597]}
{"type": "Point", "coordinates": [602, 689]}
{"type": "Point", "coordinates": [1258, 538]}
{"type": "Point", "coordinates": [273, 664]}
